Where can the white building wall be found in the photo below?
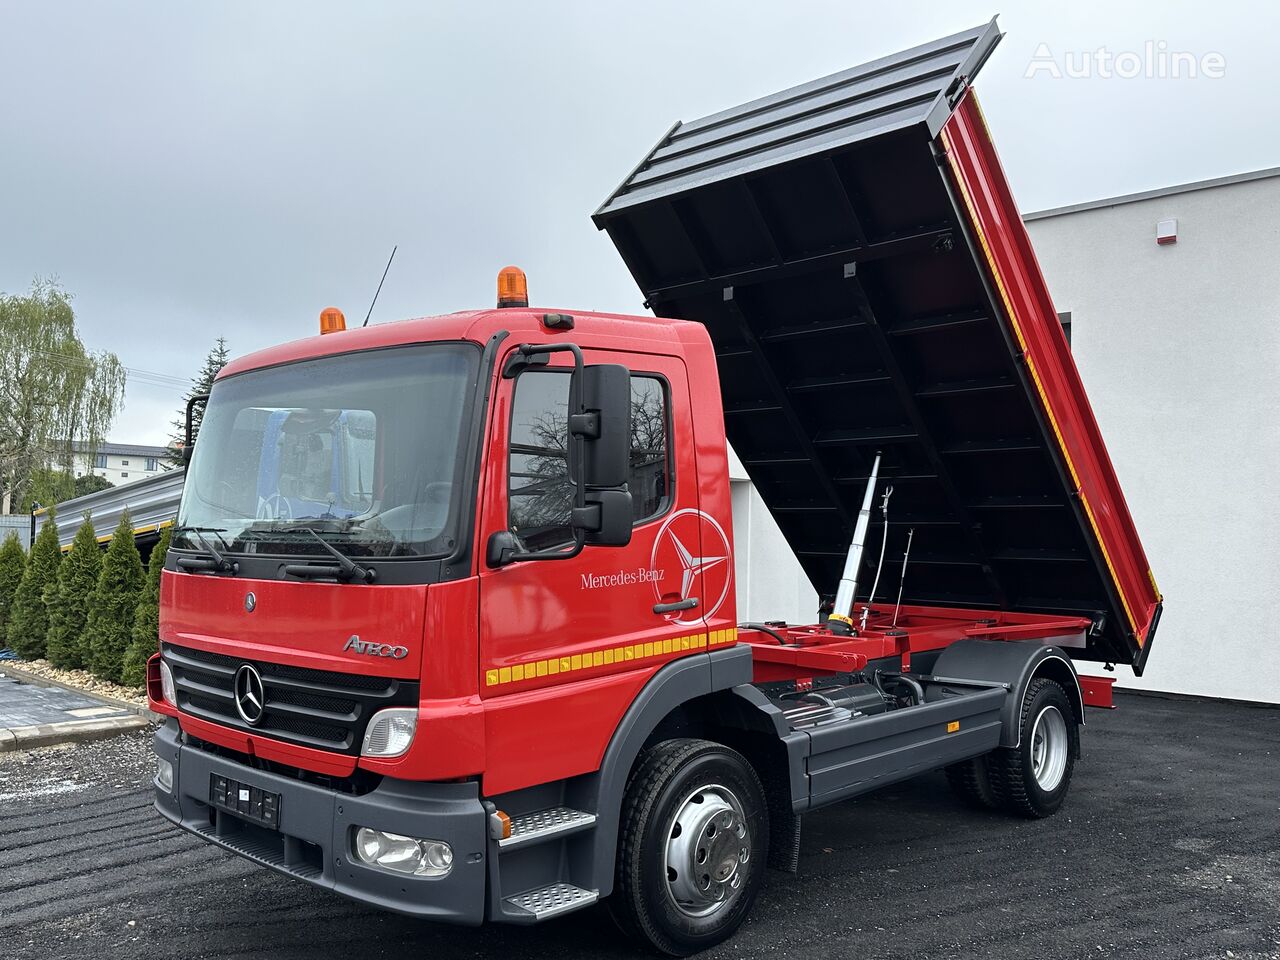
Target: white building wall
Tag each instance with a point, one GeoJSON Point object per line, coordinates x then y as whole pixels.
{"type": "Point", "coordinates": [770, 583]}
{"type": "Point", "coordinates": [1179, 348]}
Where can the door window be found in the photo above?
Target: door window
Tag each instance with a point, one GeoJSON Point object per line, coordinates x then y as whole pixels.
{"type": "Point", "coordinates": [540, 489]}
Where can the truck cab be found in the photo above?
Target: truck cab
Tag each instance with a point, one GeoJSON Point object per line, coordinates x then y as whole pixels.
{"type": "Point", "coordinates": [448, 623]}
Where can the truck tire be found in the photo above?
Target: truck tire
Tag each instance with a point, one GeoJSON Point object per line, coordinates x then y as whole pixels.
{"type": "Point", "coordinates": [971, 782]}
{"type": "Point", "coordinates": [692, 846]}
{"type": "Point", "coordinates": [1031, 780]}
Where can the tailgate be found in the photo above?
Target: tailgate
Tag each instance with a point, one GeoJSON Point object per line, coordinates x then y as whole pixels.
{"type": "Point", "coordinates": [853, 250]}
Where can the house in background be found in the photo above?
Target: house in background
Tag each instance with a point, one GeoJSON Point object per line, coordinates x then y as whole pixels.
{"type": "Point", "coordinates": [120, 462]}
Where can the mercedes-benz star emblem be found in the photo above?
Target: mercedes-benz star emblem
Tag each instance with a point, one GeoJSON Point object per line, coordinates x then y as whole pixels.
{"type": "Point", "coordinates": [691, 566]}
{"type": "Point", "coordinates": [250, 602]}
{"type": "Point", "coordinates": [691, 555]}
{"type": "Point", "coordinates": [251, 699]}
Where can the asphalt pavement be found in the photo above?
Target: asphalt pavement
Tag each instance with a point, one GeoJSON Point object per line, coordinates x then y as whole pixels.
{"type": "Point", "coordinates": [29, 704]}
{"type": "Point", "coordinates": [1169, 847]}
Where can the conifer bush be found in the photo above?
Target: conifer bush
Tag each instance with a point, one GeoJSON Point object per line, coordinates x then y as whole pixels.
{"type": "Point", "coordinates": [146, 619]}
{"type": "Point", "coordinates": [71, 598]}
{"type": "Point", "coordinates": [115, 600]}
{"type": "Point", "coordinates": [28, 625]}
{"type": "Point", "coordinates": [13, 561]}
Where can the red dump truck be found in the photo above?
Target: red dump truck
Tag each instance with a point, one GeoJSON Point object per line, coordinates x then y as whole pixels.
{"type": "Point", "coordinates": [493, 671]}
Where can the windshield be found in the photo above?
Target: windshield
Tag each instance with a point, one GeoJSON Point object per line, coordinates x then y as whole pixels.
{"type": "Point", "coordinates": [361, 448]}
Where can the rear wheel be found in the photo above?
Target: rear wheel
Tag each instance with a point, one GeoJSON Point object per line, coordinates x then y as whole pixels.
{"type": "Point", "coordinates": [1032, 779]}
{"type": "Point", "coordinates": [692, 846]}
{"type": "Point", "coordinates": [971, 781]}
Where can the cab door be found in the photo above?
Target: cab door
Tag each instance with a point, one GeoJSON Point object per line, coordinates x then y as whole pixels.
{"type": "Point", "coordinates": [608, 617]}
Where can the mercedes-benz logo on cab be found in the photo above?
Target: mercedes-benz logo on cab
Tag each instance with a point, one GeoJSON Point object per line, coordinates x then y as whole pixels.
{"type": "Point", "coordinates": [250, 695]}
{"type": "Point", "coordinates": [250, 602]}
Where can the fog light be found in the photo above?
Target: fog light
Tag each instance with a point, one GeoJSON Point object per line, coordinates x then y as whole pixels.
{"type": "Point", "coordinates": [166, 684]}
{"type": "Point", "coordinates": [164, 774]}
{"type": "Point", "coordinates": [390, 732]}
{"type": "Point", "coordinates": [422, 858]}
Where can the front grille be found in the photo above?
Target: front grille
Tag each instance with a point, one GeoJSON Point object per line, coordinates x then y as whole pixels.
{"type": "Point", "coordinates": [322, 709]}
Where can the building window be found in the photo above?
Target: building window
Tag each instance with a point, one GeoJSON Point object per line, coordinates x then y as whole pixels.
{"type": "Point", "coordinates": [123, 474]}
{"type": "Point", "coordinates": [540, 493]}
{"type": "Point", "coordinates": [152, 463]}
{"type": "Point", "coordinates": [100, 460]}
{"type": "Point", "coordinates": [124, 463]}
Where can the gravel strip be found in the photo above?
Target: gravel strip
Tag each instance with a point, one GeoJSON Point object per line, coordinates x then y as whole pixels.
{"type": "Point", "coordinates": [80, 679]}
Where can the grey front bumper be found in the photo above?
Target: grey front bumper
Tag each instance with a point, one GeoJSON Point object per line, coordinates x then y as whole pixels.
{"type": "Point", "coordinates": [314, 839]}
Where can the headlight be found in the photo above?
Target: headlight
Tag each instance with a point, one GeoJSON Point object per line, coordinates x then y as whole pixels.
{"type": "Point", "coordinates": [390, 732]}
{"type": "Point", "coordinates": [422, 858]}
{"type": "Point", "coordinates": [164, 774]}
{"type": "Point", "coordinates": [166, 684]}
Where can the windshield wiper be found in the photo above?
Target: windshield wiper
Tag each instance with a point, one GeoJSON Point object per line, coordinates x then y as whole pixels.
{"type": "Point", "coordinates": [219, 563]}
{"type": "Point", "coordinates": [345, 570]}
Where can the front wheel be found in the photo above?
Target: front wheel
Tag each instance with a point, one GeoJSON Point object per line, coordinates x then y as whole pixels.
{"type": "Point", "coordinates": [692, 846]}
{"type": "Point", "coordinates": [1032, 779]}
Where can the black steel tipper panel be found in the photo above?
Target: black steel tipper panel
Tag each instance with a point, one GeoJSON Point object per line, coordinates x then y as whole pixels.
{"type": "Point", "coordinates": [815, 236]}
{"type": "Point", "coordinates": [861, 103]}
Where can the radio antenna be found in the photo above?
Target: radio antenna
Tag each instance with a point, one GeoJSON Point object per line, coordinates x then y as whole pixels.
{"type": "Point", "coordinates": [380, 282]}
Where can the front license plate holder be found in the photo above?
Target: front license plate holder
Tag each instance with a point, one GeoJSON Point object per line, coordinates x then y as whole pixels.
{"type": "Point", "coordinates": [245, 800]}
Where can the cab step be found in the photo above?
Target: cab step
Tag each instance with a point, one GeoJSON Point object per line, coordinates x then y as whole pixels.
{"type": "Point", "coordinates": [545, 824]}
{"type": "Point", "coordinates": [552, 900]}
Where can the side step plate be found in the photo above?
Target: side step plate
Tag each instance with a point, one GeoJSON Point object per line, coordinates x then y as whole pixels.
{"type": "Point", "coordinates": [543, 824]}
{"type": "Point", "coordinates": [553, 899]}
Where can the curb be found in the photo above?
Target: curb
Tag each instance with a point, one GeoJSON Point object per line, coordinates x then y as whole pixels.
{"type": "Point", "coordinates": [18, 673]}
{"type": "Point", "coordinates": [68, 731]}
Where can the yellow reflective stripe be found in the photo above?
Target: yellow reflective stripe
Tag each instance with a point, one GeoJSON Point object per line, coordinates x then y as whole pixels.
{"type": "Point", "coordinates": [553, 666]}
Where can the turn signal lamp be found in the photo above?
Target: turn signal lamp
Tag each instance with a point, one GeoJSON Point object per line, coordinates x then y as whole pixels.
{"type": "Point", "coordinates": [167, 688]}
{"type": "Point", "coordinates": [513, 288]}
{"type": "Point", "coordinates": [332, 320]}
{"type": "Point", "coordinates": [499, 826]}
{"type": "Point", "coordinates": [390, 732]}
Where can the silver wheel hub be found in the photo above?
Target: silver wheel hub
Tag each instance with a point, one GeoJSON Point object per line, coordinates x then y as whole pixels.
{"type": "Point", "coordinates": [1049, 748]}
{"type": "Point", "coordinates": [708, 846]}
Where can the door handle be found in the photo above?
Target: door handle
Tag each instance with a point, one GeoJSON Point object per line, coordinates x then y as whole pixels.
{"type": "Point", "coordinates": [687, 604]}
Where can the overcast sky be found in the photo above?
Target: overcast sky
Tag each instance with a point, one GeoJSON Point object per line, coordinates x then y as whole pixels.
{"type": "Point", "coordinates": [191, 170]}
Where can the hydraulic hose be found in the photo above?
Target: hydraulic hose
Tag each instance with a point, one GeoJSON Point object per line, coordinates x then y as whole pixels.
{"type": "Point", "coordinates": [917, 691]}
{"type": "Point", "coordinates": [764, 629]}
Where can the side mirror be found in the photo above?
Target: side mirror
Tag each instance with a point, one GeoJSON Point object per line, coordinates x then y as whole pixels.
{"type": "Point", "coordinates": [189, 446]}
{"type": "Point", "coordinates": [603, 428]}
{"type": "Point", "coordinates": [604, 425]}
{"type": "Point", "coordinates": [605, 521]}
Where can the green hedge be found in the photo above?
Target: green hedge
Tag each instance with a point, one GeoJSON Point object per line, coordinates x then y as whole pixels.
{"type": "Point", "coordinates": [115, 600]}
{"type": "Point", "coordinates": [13, 561]}
{"type": "Point", "coordinates": [70, 600]}
{"type": "Point", "coordinates": [146, 619]}
{"type": "Point", "coordinates": [28, 625]}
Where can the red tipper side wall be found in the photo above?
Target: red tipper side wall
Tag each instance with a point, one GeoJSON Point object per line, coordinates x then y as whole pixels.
{"type": "Point", "coordinates": [1030, 314]}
